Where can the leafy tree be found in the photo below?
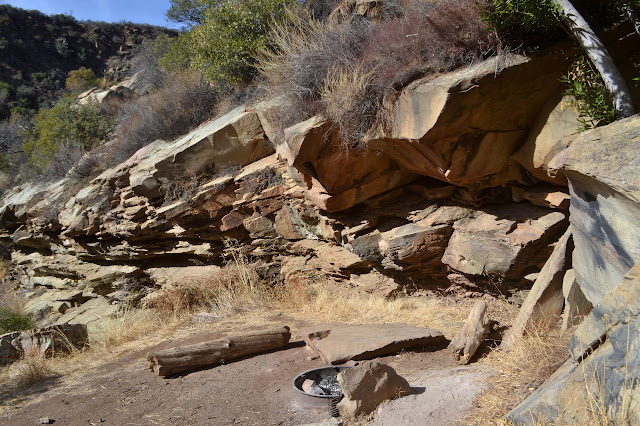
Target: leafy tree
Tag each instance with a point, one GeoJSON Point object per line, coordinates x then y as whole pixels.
{"type": "Point", "coordinates": [65, 123]}
{"type": "Point", "coordinates": [543, 14]}
{"type": "Point", "coordinates": [226, 35]}
{"type": "Point", "coordinates": [190, 12]}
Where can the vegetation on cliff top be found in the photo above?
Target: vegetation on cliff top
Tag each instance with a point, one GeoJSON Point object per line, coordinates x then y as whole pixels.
{"type": "Point", "coordinates": [322, 56]}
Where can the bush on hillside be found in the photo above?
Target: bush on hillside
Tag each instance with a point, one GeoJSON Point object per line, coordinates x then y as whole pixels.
{"type": "Point", "coordinates": [227, 36]}
{"type": "Point", "coordinates": [81, 80]}
{"type": "Point", "coordinates": [346, 69]}
{"type": "Point", "coordinates": [65, 124]}
{"type": "Point", "coordinates": [184, 102]}
{"type": "Point", "coordinates": [11, 321]}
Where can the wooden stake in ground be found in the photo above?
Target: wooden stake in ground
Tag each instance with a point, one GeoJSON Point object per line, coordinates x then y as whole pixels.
{"type": "Point", "coordinates": [188, 358]}
{"type": "Point", "coordinates": [475, 330]}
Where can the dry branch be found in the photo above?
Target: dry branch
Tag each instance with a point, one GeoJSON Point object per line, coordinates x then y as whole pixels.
{"type": "Point", "coordinates": [188, 358]}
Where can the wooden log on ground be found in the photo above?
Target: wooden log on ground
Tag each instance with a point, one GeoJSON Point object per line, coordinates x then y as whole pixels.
{"type": "Point", "coordinates": [188, 358]}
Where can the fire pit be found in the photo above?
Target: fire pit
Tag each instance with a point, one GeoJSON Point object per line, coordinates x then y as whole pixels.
{"type": "Point", "coordinates": [318, 389]}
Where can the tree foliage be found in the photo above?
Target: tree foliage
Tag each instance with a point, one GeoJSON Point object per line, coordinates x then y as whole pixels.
{"type": "Point", "coordinates": [225, 36]}
{"type": "Point", "coordinates": [544, 15]}
{"type": "Point", "coordinates": [66, 123]}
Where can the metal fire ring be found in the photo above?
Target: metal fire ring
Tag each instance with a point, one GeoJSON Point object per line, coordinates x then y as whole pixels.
{"type": "Point", "coordinates": [317, 402]}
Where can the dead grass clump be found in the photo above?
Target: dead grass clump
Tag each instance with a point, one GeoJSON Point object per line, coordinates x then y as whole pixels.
{"type": "Point", "coordinates": [185, 101]}
{"type": "Point", "coordinates": [306, 50]}
{"type": "Point", "coordinates": [128, 325]}
{"type": "Point", "coordinates": [236, 286]}
{"type": "Point", "coordinates": [347, 68]}
{"type": "Point", "coordinates": [531, 360]}
{"type": "Point", "coordinates": [352, 101]}
{"type": "Point", "coordinates": [30, 370]}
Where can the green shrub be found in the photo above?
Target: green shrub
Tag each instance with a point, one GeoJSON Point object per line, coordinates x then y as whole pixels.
{"type": "Point", "coordinates": [592, 99]}
{"type": "Point", "coordinates": [11, 321]}
{"type": "Point", "coordinates": [81, 80]}
{"type": "Point", "coordinates": [530, 14]}
{"type": "Point", "coordinates": [229, 34]}
{"type": "Point", "coordinates": [65, 123]}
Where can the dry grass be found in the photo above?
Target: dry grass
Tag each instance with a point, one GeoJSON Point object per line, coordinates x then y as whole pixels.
{"type": "Point", "coordinates": [442, 314]}
{"type": "Point", "coordinates": [237, 285]}
{"type": "Point", "coordinates": [318, 63]}
{"type": "Point", "coordinates": [28, 371]}
{"type": "Point", "coordinates": [127, 326]}
{"type": "Point", "coordinates": [518, 372]}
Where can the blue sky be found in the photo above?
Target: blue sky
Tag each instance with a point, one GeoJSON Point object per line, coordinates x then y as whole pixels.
{"type": "Point", "coordinates": [138, 11]}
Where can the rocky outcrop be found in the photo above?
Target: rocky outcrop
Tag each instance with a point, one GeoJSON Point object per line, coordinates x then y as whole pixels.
{"type": "Point", "coordinates": [127, 89]}
{"type": "Point", "coordinates": [435, 202]}
{"type": "Point", "coordinates": [463, 127]}
{"type": "Point", "coordinates": [602, 167]}
{"type": "Point", "coordinates": [601, 380]}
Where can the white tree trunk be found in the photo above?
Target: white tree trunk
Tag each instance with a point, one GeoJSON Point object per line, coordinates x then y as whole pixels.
{"type": "Point", "coordinates": [599, 56]}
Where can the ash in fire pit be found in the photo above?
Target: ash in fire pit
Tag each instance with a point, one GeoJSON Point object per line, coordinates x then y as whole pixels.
{"type": "Point", "coordinates": [319, 389]}
{"type": "Point", "coordinates": [328, 386]}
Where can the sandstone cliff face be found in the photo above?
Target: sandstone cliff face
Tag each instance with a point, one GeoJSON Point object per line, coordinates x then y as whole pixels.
{"type": "Point", "coordinates": [429, 203]}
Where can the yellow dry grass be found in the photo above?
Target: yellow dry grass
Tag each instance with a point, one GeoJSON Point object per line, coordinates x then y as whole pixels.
{"type": "Point", "coordinates": [29, 370]}
{"type": "Point", "coordinates": [518, 372]}
{"type": "Point", "coordinates": [127, 326]}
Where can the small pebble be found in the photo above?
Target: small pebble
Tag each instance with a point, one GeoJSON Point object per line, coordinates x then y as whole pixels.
{"type": "Point", "coordinates": [45, 421]}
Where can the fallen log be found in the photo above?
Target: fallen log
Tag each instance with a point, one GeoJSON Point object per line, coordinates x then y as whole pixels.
{"type": "Point", "coordinates": [192, 357]}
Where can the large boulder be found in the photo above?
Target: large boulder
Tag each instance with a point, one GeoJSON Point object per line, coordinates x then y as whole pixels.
{"type": "Point", "coordinates": [602, 167]}
{"type": "Point", "coordinates": [601, 381]}
{"type": "Point", "coordinates": [463, 127]}
{"type": "Point", "coordinates": [368, 385]}
{"type": "Point", "coordinates": [543, 305]}
{"type": "Point", "coordinates": [503, 240]}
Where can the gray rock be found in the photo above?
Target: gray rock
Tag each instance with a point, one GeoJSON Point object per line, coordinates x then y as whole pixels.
{"type": "Point", "coordinates": [53, 340]}
{"type": "Point", "coordinates": [602, 167]}
{"type": "Point", "coordinates": [576, 306]}
{"type": "Point", "coordinates": [368, 385]}
{"type": "Point", "coordinates": [544, 302]}
{"type": "Point", "coordinates": [502, 240]}
{"type": "Point", "coordinates": [601, 383]}
{"type": "Point", "coordinates": [340, 343]}
{"type": "Point", "coordinates": [8, 353]}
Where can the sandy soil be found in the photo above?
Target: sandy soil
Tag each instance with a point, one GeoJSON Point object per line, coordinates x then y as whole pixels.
{"type": "Point", "coordinates": [252, 391]}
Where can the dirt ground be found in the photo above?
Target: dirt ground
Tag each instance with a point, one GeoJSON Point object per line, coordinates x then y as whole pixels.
{"type": "Point", "coordinates": [253, 391]}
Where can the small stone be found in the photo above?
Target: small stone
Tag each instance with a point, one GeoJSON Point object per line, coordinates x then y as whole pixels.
{"type": "Point", "coordinates": [307, 385]}
{"type": "Point", "coordinates": [45, 421]}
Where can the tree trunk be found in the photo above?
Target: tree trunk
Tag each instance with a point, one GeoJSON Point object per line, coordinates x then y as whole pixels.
{"type": "Point", "coordinates": [599, 56]}
{"type": "Point", "coordinates": [207, 354]}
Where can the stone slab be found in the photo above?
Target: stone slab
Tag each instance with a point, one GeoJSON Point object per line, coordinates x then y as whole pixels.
{"type": "Point", "coordinates": [337, 344]}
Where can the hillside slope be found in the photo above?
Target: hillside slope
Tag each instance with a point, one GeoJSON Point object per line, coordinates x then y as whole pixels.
{"type": "Point", "coordinates": [37, 51]}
